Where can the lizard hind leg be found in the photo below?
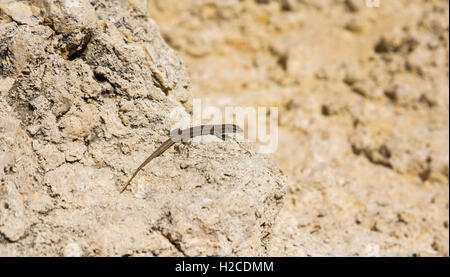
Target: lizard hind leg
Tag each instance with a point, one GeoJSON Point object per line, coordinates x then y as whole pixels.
{"type": "Point", "coordinates": [183, 147]}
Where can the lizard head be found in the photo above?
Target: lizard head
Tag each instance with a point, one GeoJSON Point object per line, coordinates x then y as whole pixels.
{"type": "Point", "coordinates": [235, 128]}
{"type": "Point", "coordinates": [231, 128]}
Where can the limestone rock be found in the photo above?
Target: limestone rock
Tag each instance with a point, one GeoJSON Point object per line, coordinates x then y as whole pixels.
{"type": "Point", "coordinates": [363, 101]}
{"type": "Point", "coordinates": [86, 93]}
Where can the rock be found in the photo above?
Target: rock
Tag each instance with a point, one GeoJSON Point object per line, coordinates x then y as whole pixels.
{"type": "Point", "coordinates": [13, 221]}
{"type": "Point", "coordinates": [362, 95]}
{"type": "Point", "coordinates": [16, 177]}
{"type": "Point", "coordinates": [74, 20]}
{"type": "Point", "coordinates": [87, 89]}
{"type": "Point", "coordinates": [20, 12]}
{"type": "Point", "coordinates": [72, 250]}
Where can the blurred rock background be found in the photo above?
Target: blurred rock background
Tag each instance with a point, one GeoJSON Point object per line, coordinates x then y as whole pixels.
{"type": "Point", "coordinates": [363, 111]}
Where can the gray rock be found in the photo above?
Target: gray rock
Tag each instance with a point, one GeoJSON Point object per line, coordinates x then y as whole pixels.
{"type": "Point", "coordinates": [86, 91]}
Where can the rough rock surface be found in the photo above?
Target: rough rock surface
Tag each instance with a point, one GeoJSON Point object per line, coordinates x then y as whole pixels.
{"type": "Point", "coordinates": [87, 92]}
{"type": "Point", "coordinates": [364, 111]}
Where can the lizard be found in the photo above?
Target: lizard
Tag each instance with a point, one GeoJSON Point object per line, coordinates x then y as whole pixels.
{"type": "Point", "coordinates": [179, 135]}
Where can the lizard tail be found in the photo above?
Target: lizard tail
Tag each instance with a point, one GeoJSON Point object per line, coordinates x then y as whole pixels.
{"type": "Point", "coordinates": [166, 145]}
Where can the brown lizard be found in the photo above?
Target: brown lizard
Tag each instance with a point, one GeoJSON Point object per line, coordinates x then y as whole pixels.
{"type": "Point", "coordinates": [178, 135]}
